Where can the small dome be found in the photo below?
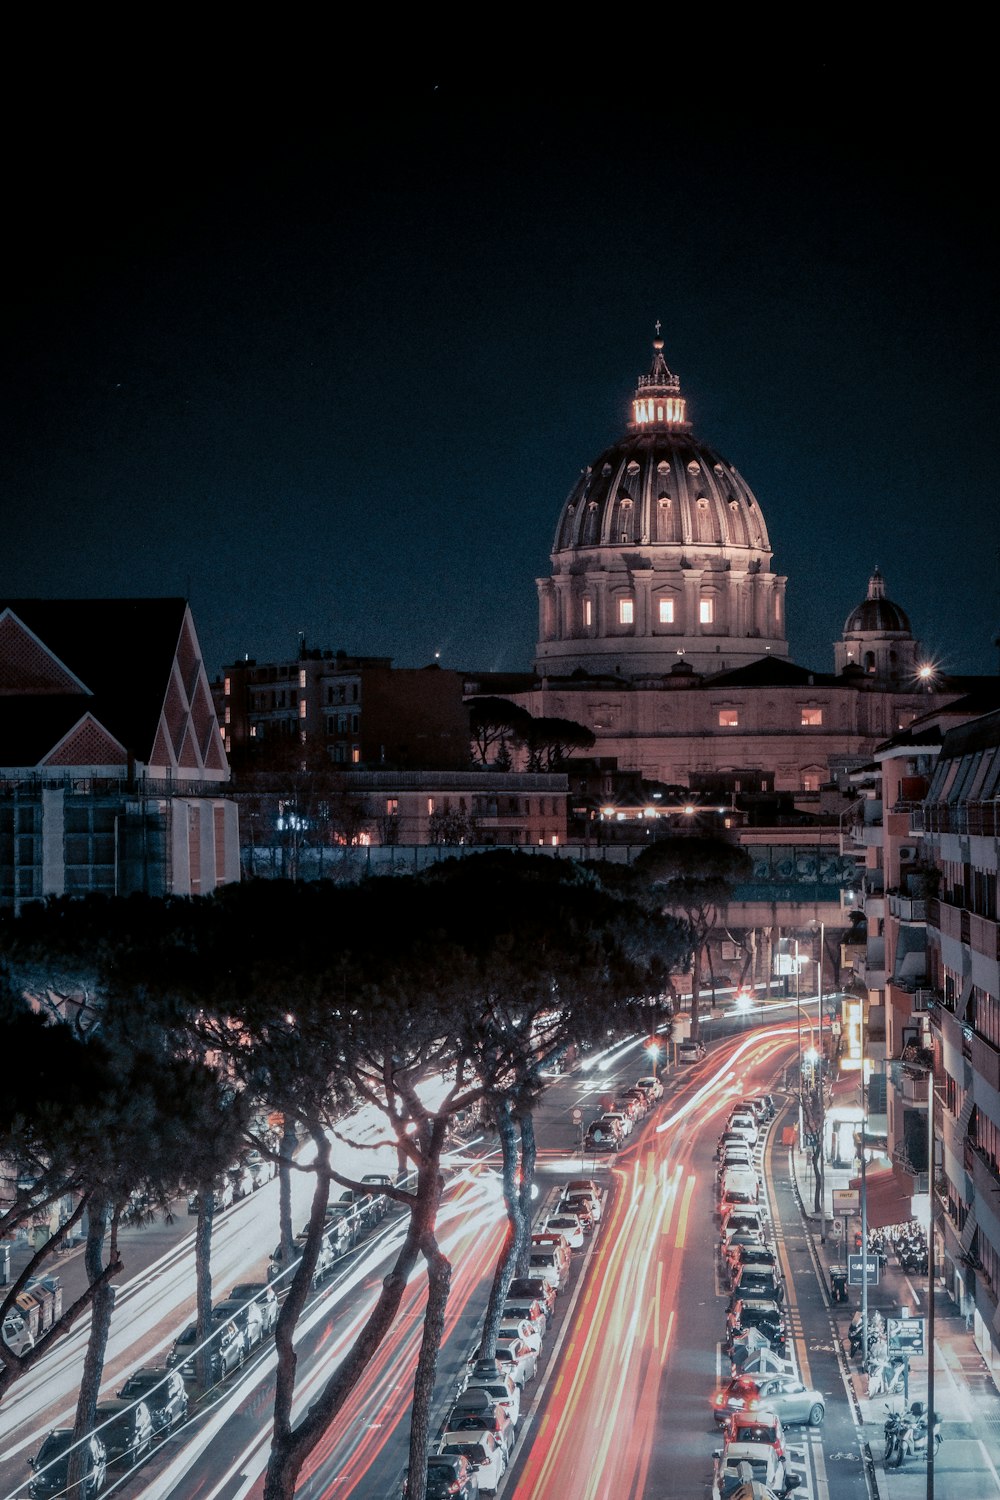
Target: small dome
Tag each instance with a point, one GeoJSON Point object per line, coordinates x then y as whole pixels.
{"type": "Point", "coordinates": [877, 615]}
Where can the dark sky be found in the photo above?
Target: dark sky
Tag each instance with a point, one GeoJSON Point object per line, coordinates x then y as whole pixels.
{"type": "Point", "coordinates": [332, 366]}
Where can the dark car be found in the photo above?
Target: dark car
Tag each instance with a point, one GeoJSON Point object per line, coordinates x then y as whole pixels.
{"type": "Point", "coordinates": [763, 1315]}
{"type": "Point", "coordinates": [51, 1466]}
{"type": "Point", "coordinates": [164, 1394]}
{"type": "Point", "coordinates": [365, 1208]}
{"type": "Point", "coordinates": [126, 1430]}
{"type": "Point", "coordinates": [536, 1287]}
{"type": "Point", "coordinates": [263, 1295]}
{"type": "Point", "coordinates": [450, 1476]}
{"type": "Point", "coordinates": [758, 1282]}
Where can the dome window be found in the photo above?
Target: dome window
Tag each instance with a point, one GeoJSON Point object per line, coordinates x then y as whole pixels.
{"type": "Point", "coordinates": [666, 611]}
{"type": "Point", "coordinates": [706, 611]}
{"type": "Point", "coordinates": [664, 502]}
{"type": "Point", "coordinates": [633, 467]}
{"type": "Point", "coordinates": [626, 611]}
{"type": "Point", "coordinates": [694, 467]}
{"type": "Point", "coordinates": [626, 502]}
{"type": "Point", "coordinates": [571, 511]}
{"type": "Point", "coordinates": [663, 467]}
{"type": "Point", "coordinates": [606, 470]}
{"type": "Point", "coordinates": [592, 506]}
{"type": "Point", "coordinates": [719, 469]}
{"type": "Point", "coordinates": [734, 505]}
{"type": "Point", "coordinates": [702, 503]}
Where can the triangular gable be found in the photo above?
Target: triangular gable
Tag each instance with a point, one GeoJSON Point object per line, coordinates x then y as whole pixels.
{"type": "Point", "coordinates": [27, 666]}
{"type": "Point", "coordinates": [189, 757]}
{"type": "Point", "coordinates": [215, 759]}
{"type": "Point", "coordinates": [162, 756]}
{"type": "Point", "coordinates": [88, 743]}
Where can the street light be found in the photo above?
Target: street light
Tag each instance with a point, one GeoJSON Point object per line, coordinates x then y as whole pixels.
{"type": "Point", "coordinates": [744, 1004]}
{"type": "Point", "coordinates": [653, 1053]}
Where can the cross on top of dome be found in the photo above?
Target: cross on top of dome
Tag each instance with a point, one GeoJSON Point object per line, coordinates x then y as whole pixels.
{"type": "Point", "coordinates": [658, 401]}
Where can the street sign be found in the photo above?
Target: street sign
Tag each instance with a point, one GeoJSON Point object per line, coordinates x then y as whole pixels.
{"type": "Point", "coordinates": [905, 1335]}
{"type": "Point", "coordinates": [836, 1229]}
{"type": "Point", "coordinates": [846, 1201]}
{"type": "Point", "coordinates": [578, 1115]}
{"type": "Point", "coordinates": [861, 1268]}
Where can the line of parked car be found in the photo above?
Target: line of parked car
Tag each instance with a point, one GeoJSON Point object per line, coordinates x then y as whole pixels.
{"type": "Point", "coordinates": [476, 1439]}
{"type": "Point", "coordinates": [154, 1400]}
{"type": "Point", "coordinates": [611, 1130]}
{"type": "Point", "coordinates": [764, 1390]}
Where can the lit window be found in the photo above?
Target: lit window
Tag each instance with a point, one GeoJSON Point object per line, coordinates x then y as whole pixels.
{"type": "Point", "coordinates": [253, 731]}
{"type": "Point", "coordinates": [228, 687]}
{"type": "Point", "coordinates": [430, 805]}
{"type": "Point", "coordinates": [356, 754]}
{"type": "Point", "coordinates": [812, 718]}
{"type": "Point", "coordinates": [810, 781]}
{"type": "Point", "coordinates": [588, 613]}
{"type": "Point", "coordinates": [666, 611]}
{"type": "Point", "coordinates": [777, 607]}
{"type": "Point", "coordinates": [302, 677]}
{"type": "Point", "coordinates": [229, 714]}
{"type": "Point", "coordinates": [626, 611]}
{"type": "Point", "coordinates": [302, 708]}
{"type": "Point", "coordinates": [706, 611]}
{"type": "Point", "coordinates": [391, 806]}
{"type": "Point", "coordinates": [729, 718]}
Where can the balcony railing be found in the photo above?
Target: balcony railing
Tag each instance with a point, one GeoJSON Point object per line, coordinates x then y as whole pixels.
{"type": "Point", "coordinates": [981, 818]}
{"type": "Point", "coordinates": [907, 908]}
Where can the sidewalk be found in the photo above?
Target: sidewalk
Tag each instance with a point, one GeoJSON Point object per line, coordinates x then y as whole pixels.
{"type": "Point", "coordinates": [965, 1395]}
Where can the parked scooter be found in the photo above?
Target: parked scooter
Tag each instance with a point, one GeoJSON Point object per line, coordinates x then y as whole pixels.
{"type": "Point", "coordinates": [887, 1377]}
{"type": "Point", "coordinates": [910, 1435]}
{"type": "Point", "coordinates": [838, 1285]}
{"type": "Point", "coordinates": [855, 1333]}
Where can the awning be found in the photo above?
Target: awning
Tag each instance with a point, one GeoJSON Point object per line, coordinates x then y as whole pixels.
{"type": "Point", "coordinates": [889, 1197]}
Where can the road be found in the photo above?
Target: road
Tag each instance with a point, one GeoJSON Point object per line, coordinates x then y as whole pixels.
{"type": "Point", "coordinates": [633, 1358]}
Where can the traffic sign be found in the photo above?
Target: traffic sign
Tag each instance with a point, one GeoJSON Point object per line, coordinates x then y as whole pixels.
{"type": "Point", "coordinates": [862, 1268]}
{"type": "Point", "coordinates": [846, 1201]}
{"type": "Point", "coordinates": [905, 1335]}
{"type": "Point", "coordinates": [578, 1115]}
{"type": "Point", "coordinates": [836, 1229]}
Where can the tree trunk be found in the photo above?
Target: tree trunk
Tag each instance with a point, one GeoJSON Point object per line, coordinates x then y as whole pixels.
{"type": "Point", "coordinates": [438, 1286]}
{"type": "Point", "coordinates": [203, 1282]}
{"type": "Point", "coordinates": [100, 1326]}
{"type": "Point", "coordinates": [286, 1152]}
{"type": "Point", "coordinates": [503, 1273]}
{"type": "Point", "coordinates": [291, 1447]}
{"type": "Point", "coordinates": [529, 1153]}
{"type": "Point", "coordinates": [696, 992]}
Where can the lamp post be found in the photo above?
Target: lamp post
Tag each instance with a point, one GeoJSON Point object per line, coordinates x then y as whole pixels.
{"type": "Point", "coordinates": [930, 1283]}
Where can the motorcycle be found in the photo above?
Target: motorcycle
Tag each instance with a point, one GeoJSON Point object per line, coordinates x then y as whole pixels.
{"type": "Point", "coordinates": [911, 1434]}
{"type": "Point", "coordinates": [838, 1285]}
{"type": "Point", "coordinates": [887, 1377]}
{"type": "Point", "coordinates": [855, 1334]}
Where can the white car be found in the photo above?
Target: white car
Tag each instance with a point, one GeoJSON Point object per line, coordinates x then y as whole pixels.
{"type": "Point", "coordinates": [625, 1120]}
{"type": "Point", "coordinates": [651, 1086]}
{"type": "Point", "coordinates": [521, 1359]}
{"type": "Point", "coordinates": [584, 1185]}
{"type": "Point", "coordinates": [502, 1390]}
{"type": "Point", "coordinates": [16, 1334]}
{"type": "Point", "coordinates": [745, 1125]}
{"type": "Point", "coordinates": [520, 1328]}
{"type": "Point", "coordinates": [570, 1226]}
{"type": "Point", "coordinates": [592, 1205]}
{"type": "Point", "coordinates": [744, 1463]}
{"type": "Point", "coordinates": [484, 1453]}
{"type": "Point", "coordinates": [527, 1307]}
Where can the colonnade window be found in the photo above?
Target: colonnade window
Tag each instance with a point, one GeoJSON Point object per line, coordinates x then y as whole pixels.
{"type": "Point", "coordinates": [626, 611]}
{"type": "Point", "coordinates": [666, 611]}
{"type": "Point", "coordinates": [587, 609]}
{"type": "Point", "coordinates": [706, 611]}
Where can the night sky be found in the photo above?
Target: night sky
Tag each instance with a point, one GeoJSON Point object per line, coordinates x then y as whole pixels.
{"type": "Point", "coordinates": [334, 370]}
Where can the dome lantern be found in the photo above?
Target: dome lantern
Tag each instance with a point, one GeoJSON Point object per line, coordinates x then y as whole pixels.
{"type": "Point", "coordinates": [658, 401]}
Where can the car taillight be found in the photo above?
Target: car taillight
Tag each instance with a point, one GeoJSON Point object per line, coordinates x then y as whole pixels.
{"type": "Point", "coordinates": [455, 1488]}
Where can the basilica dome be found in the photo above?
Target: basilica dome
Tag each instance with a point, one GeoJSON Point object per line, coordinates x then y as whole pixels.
{"type": "Point", "coordinates": [877, 639]}
{"type": "Point", "coordinates": [877, 613]}
{"type": "Point", "coordinates": [661, 552]}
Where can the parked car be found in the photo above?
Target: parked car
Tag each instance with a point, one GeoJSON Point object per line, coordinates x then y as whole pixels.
{"type": "Point", "coordinates": [164, 1393]}
{"type": "Point", "coordinates": [263, 1295]}
{"type": "Point", "coordinates": [221, 1198]}
{"type": "Point", "coordinates": [757, 1427]}
{"type": "Point", "coordinates": [517, 1359]}
{"type": "Point", "coordinates": [585, 1185]}
{"type": "Point", "coordinates": [325, 1261]}
{"type": "Point", "coordinates": [126, 1430]}
{"type": "Point", "coordinates": [743, 1123]}
{"type": "Point", "coordinates": [503, 1391]}
{"type": "Point", "coordinates": [226, 1351]}
{"type": "Point", "coordinates": [579, 1208]}
{"type": "Point", "coordinates": [450, 1476]}
{"type": "Point", "coordinates": [758, 1281]}
{"type": "Point", "coordinates": [16, 1334]}
{"type": "Point", "coordinates": [751, 1464]}
{"type": "Point", "coordinates": [568, 1225]}
{"type": "Point", "coordinates": [760, 1313]}
{"type": "Point", "coordinates": [534, 1286]}
{"type": "Point", "coordinates": [483, 1415]}
{"type": "Point", "coordinates": [651, 1086]}
{"type": "Point", "coordinates": [527, 1307]}
{"type": "Point", "coordinates": [513, 1327]}
{"type": "Point", "coordinates": [51, 1465]}
{"type": "Point", "coordinates": [246, 1315]}
{"type": "Point", "coordinates": [690, 1052]}
{"type": "Point", "coordinates": [485, 1455]}
{"type": "Point", "coordinates": [262, 1167]}
{"type": "Point", "coordinates": [588, 1200]}
{"type": "Point", "coordinates": [603, 1136]}
{"type": "Point", "coordinates": [548, 1264]}
{"type": "Point", "coordinates": [786, 1395]}
{"type": "Point", "coordinates": [625, 1121]}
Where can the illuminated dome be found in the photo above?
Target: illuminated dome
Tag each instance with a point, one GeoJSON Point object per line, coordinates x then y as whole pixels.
{"type": "Point", "coordinates": [660, 552]}
{"type": "Point", "coordinates": [877, 639]}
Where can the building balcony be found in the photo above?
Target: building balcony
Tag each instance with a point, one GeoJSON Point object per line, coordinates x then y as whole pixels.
{"type": "Point", "coordinates": [978, 818]}
{"type": "Point", "coordinates": [909, 1079]}
{"type": "Point", "coordinates": [984, 936]}
{"type": "Point", "coordinates": [907, 908]}
{"type": "Point", "coordinates": [985, 1059]}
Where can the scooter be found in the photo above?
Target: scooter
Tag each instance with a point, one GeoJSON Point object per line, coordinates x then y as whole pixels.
{"type": "Point", "coordinates": [913, 1435]}
{"type": "Point", "coordinates": [854, 1334]}
{"type": "Point", "coordinates": [838, 1285]}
